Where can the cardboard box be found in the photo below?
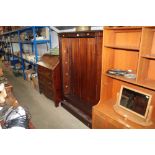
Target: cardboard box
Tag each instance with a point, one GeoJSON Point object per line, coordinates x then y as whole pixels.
{"type": "Point", "coordinates": [45, 33]}
{"type": "Point", "coordinates": [28, 74]}
{"type": "Point", "coordinates": [1, 72]}
{"type": "Point", "coordinates": [34, 82]}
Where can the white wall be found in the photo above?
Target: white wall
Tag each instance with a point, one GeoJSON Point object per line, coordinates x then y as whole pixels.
{"type": "Point", "coordinates": [55, 42]}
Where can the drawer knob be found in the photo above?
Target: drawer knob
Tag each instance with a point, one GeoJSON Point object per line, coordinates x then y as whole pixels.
{"type": "Point", "coordinates": [66, 62]}
{"type": "Point", "coordinates": [66, 86]}
{"type": "Point", "coordinates": [87, 34]}
{"type": "Point", "coordinates": [66, 74]}
{"type": "Point", "coordinates": [77, 35]}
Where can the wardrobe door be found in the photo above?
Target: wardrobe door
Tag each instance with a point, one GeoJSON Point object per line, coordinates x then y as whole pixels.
{"type": "Point", "coordinates": [83, 69]}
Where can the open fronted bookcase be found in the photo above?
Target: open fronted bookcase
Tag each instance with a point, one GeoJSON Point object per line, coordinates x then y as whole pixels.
{"type": "Point", "coordinates": [146, 72]}
{"type": "Point", "coordinates": [125, 48]}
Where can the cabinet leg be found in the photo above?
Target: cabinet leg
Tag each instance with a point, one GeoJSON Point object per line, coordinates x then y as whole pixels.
{"type": "Point", "coordinates": [57, 103]}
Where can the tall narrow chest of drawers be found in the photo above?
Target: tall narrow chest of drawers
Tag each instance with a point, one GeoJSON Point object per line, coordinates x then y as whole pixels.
{"type": "Point", "coordinates": [49, 79]}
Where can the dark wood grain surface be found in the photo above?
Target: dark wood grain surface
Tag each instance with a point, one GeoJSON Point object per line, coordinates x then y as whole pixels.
{"type": "Point", "coordinates": [81, 68]}
{"type": "Point", "coordinates": [50, 80]}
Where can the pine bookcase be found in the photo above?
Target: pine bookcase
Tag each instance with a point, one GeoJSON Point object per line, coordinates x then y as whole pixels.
{"type": "Point", "coordinates": [126, 48]}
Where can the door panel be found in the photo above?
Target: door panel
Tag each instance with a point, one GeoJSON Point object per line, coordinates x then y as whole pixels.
{"type": "Point", "coordinates": [83, 68]}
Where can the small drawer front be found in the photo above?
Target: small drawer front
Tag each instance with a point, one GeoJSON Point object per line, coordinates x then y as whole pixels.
{"type": "Point", "coordinates": [41, 69]}
{"type": "Point", "coordinates": [49, 94]}
{"type": "Point", "coordinates": [47, 91]}
{"type": "Point", "coordinates": [45, 81]}
{"type": "Point", "coordinates": [47, 75]}
{"type": "Point", "coordinates": [41, 86]}
{"type": "Point", "coordinates": [49, 84]}
{"type": "Point", "coordinates": [105, 122]}
{"type": "Point", "coordinates": [44, 72]}
{"type": "Point", "coordinates": [113, 124]}
{"type": "Point", "coordinates": [46, 86]}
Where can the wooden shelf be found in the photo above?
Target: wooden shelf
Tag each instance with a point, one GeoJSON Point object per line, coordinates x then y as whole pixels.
{"type": "Point", "coordinates": [148, 56]}
{"type": "Point", "coordinates": [122, 39]}
{"type": "Point", "coordinates": [122, 47]}
{"type": "Point", "coordinates": [122, 27]}
{"type": "Point", "coordinates": [148, 84]}
{"type": "Point", "coordinates": [133, 81]}
{"type": "Point", "coordinates": [148, 42]}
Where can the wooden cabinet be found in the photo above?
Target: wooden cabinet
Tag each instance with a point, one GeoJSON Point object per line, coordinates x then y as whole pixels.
{"type": "Point", "coordinates": [50, 80]}
{"type": "Point", "coordinates": [125, 48]}
{"type": "Point", "coordinates": [109, 119]}
{"type": "Point", "coordinates": [81, 71]}
{"type": "Point", "coordinates": [105, 122]}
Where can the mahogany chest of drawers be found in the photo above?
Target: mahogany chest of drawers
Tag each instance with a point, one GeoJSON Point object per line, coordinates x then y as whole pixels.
{"type": "Point", "coordinates": [49, 79]}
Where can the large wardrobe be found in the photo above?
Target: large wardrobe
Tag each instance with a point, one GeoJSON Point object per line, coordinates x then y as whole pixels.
{"type": "Point", "coordinates": [80, 54]}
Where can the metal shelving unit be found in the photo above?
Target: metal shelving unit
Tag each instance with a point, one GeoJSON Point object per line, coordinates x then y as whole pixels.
{"type": "Point", "coordinates": [33, 43]}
